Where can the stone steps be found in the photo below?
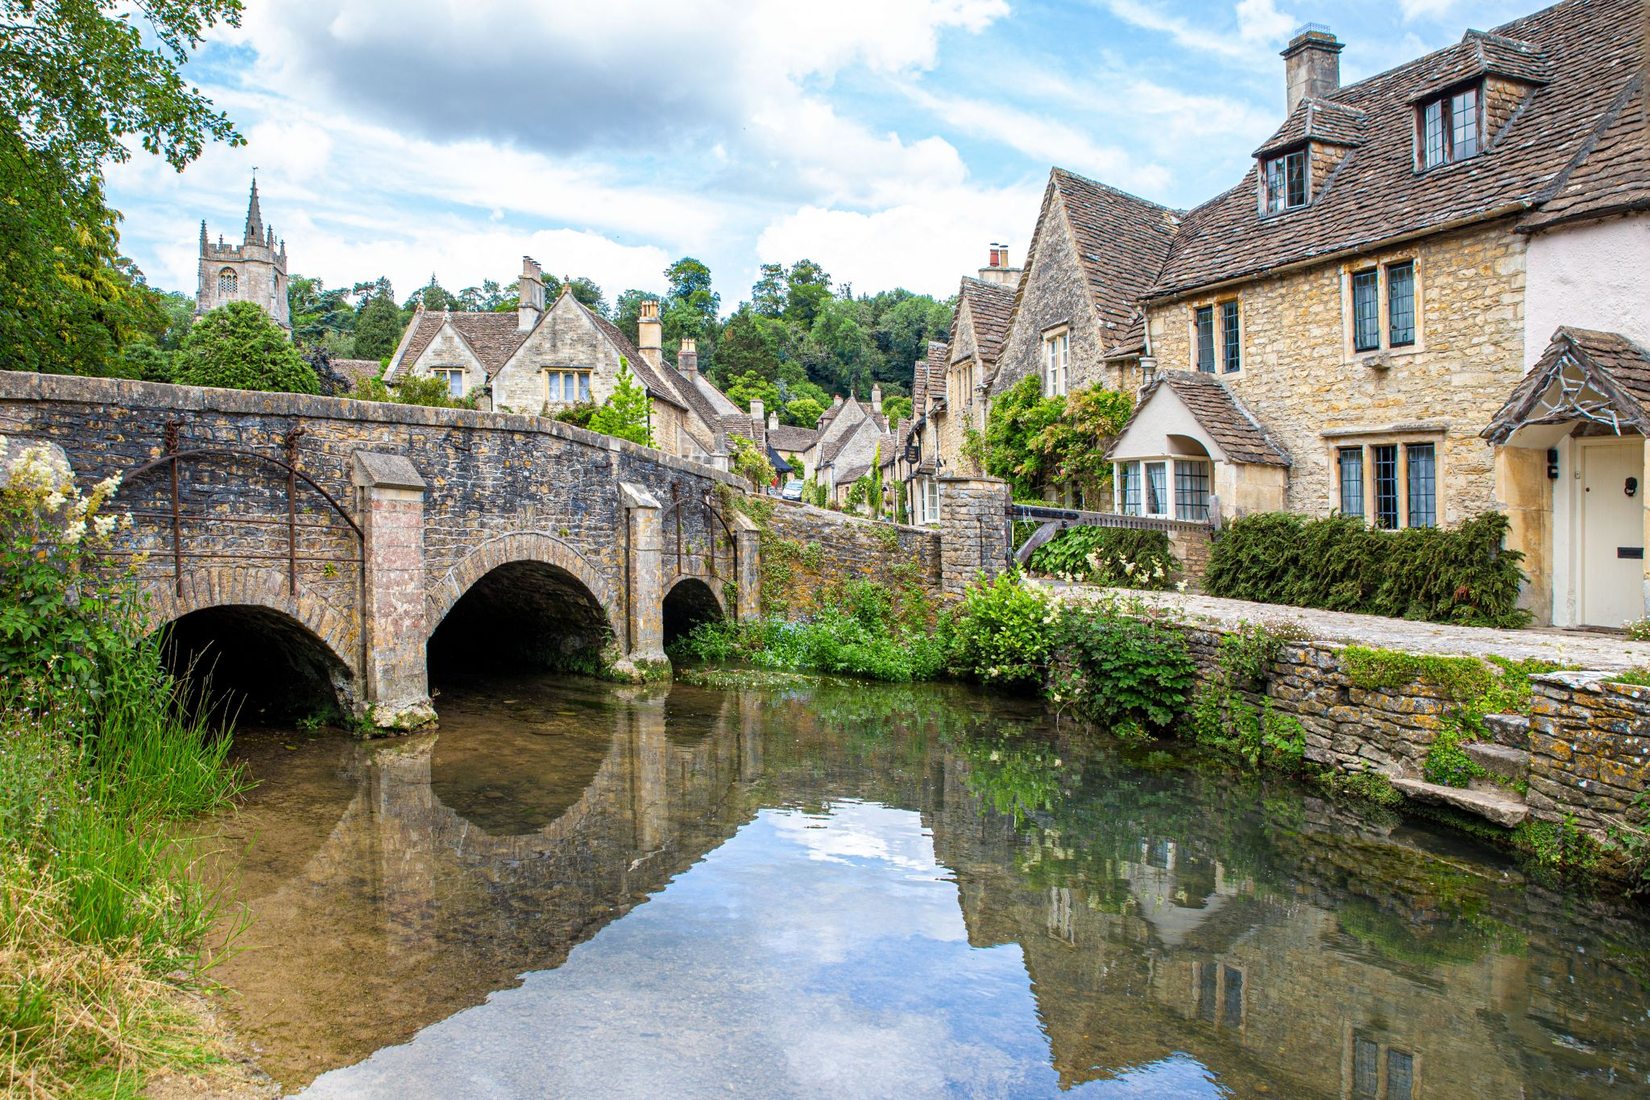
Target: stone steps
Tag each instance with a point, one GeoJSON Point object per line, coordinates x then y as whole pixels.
{"type": "Point", "coordinates": [1499, 760]}
{"type": "Point", "coordinates": [1511, 730]}
{"type": "Point", "coordinates": [1503, 807]}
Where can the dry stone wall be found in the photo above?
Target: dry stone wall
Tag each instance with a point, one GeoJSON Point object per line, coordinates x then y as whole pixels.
{"type": "Point", "coordinates": [806, 551]}
{"type": "Point", "coordinates": [1589, 745]}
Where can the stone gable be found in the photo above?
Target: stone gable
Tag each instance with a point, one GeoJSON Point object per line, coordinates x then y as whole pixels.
{"type": "Point", "coordinates": [1055, 292]}
{"type": "Point", "coordinates": [565, 338]}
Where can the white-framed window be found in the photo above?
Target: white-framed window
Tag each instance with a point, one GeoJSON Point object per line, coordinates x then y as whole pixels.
{"type": "Point", "coordinates": [1056, 362]}
{"type": "Point", "coordinates": [453, 376]}
{"type": "Point", "coordinates": [1449, 127]}
{"type": "Point", "coordinates": [1284, 184]}
{"type": "Point", "coordinates": [1217, 337]}
{"type": "Point", "coordinates": [1383, 306]}
{"type": "Point", "coordinates": [1390, 483]}
{"type": "Point", "coordinates": [925, 500]}
{"type": "Point", "coordinates": [566, 385]}
{"type": "Point", "coordinates": [1166, 488]}
{"type": "Point", "coordinates": [228, 282]}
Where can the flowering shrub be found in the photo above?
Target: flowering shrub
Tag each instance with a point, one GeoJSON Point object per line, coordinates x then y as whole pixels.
{"type": "Point", "coordinates": [64, 619]}
{"type": "Point", "coordinates": [1004, 631]}
{"type": "Point", "coordinates": [1113, 556]}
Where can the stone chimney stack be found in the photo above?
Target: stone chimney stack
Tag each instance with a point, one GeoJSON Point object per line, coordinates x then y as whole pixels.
{"type": "Point", "coordinates": [998, 271]}
{"type": "Point", "coordinates": [650, 334]}
{"type": "Point", "coordinates": [687, 356]}
{"type": "Point", "coordinates": [757, 415]}
{"type": "Point", "coordinates": [529, 295]}
{"type": "Point", "coordinates": [1312, 64]}
{"type": "Point", "coordinates": [876, 397]}
{"type": "Point", "coordinates": [773, 421]}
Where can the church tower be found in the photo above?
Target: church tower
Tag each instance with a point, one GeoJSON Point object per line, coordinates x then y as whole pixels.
{"type": "Point", "coordinates": [252, 271]}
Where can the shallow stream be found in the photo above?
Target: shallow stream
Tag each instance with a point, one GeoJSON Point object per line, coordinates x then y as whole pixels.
{"type": "Point", "coordinates": [845, 890]}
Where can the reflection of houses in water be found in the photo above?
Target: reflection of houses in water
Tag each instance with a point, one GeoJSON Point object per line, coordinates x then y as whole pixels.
{"type": "Point", "coordinates": [1305, 992]}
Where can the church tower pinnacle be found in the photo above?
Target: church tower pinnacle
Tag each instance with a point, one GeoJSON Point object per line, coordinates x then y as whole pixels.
{"type": "Point", "coordinates": [251, 271]}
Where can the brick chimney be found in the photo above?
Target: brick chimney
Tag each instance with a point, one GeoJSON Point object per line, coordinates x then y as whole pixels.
{"type": "Point", "coordinates": [687, 356]}
{"type": "Point", "coordinates": [1312, 64]}
{"type": "Point", "coordinates": [529, 295]}
{"type": "Point", "coordinates": [650, 333]}
{"type": "Point", "coordinates": [997, 270]}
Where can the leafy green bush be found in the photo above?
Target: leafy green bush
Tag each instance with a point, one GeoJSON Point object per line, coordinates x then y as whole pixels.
{"type": "Point", "coordinates": [626, 412]}
{"type": "Point", "coordinates": [1113, 556]}
{"type": "Point", "coordinates": [1004, 632]}
{"type": "Point", "coordinates": [238, 347]}
{"type": "Point", "coordinates": [1115, 668]}
{"type": "Point", "coordinates": [1224, 718]}
{"type": "Point", "coordinates": [1459, 575]}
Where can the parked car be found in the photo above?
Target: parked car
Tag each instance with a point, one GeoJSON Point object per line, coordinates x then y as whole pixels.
{"type": "Point", "coordinates": [792, 490]}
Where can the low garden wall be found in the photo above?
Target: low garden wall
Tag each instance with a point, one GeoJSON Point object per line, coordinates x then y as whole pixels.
{"type": "Point", "coordinates": [806, 551]}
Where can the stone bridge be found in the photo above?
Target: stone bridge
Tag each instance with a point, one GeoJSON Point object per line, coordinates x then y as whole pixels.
{"type": "Point", "coordinates": [344, 537]}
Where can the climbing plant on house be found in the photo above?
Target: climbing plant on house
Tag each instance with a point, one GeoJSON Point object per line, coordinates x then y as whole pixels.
{"type": "Point", "coordinates": [1034, 442]}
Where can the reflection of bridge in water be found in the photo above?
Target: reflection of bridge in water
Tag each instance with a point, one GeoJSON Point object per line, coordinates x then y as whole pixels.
{"type": "Point", "coordinates": [438, 870]}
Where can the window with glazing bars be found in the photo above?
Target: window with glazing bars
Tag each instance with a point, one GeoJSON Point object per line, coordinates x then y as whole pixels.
{"type": "Point", "coordinates": [1366, 1069]}
{"type": "Point", "coordinates": [1400, 1075]}
{"type": "Point", "coordinates": [1157, 489]}
{"type": "Point", "coordinates": [453, 377]}
{"type": "Point", "coordinates": [1423, 485]}
{"type": "Point", "coordinates": [1208, 980]}
{"type": "Point", "coordinates": [1449, 128]}
{"type": "Point", "coordinates": [1206, 339]}
{"type": "Point", "coordinates": [1385, 457]}
{"type": "Point", "coordinates": [1231, 349]}
{"type": "Point", "coordinates": [1191, 490]}
{"type": "Point", "coordinates": [1231, 1009]}
{"type": "Point", "coordinates": [1131, 488]}
{"type": "Point", "coordinates": [1286, 182]}
{"type": "Point", "coordinates": [1400, 304]}
{"type": "Point", "coordinates": [1351, 462]}
{"type": "Point", "coordinates": [1366, 310]}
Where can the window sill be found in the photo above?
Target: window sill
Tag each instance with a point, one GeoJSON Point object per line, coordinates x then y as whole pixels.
{"type": "Point", "coordinates": [1382, 358]}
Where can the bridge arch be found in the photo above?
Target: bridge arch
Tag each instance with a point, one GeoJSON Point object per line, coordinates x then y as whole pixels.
{"type": "Point", "coordinates": [526, 583]}
{"type": "Point", "coordinates": [689, 602]}
{"type": "Point", "coordinates": [238, 633]}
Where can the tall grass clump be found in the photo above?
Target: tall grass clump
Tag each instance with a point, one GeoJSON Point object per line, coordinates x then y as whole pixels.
{"type": "Point", "coordinates": [100, 921]}
{"type": "Point", "coordinates": [862, 629]}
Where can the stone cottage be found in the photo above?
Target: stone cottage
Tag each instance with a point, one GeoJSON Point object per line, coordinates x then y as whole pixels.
{"type": "Point", "coordinates": [1076, 320]}
{"type": "Point", "coordinates": [978, 328]}
{"type": "Point", "coordinates": [1348, 328]}
{"type": "Point", "coordinates": [538, 360]}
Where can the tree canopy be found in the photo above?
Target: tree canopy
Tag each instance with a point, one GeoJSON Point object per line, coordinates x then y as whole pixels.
{"type": "Point", "coordinates": [238, 347]}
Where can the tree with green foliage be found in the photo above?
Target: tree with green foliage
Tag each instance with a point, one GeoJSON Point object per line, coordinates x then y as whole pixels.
{"type": "Point", "coordinates": [768, 295]}
{"type": "Point", "coordinates": [1035, 442]}
{"type": "Point", "coordinates": [378, 325]}
{"type": "Point", "coordinates": [905, 324]}
{"type": "Point", "coordinates": [802, 412]}
{"type": "Point", "coordinates": [318, 313]}
{"type": "Point", "coordinates": [838, 350]}
{"type": "Point", "coordinates": [432, 296]}
{"type": "Point", "coordinates": [748, 386]}
{"type": "Point", "coordinates": [750, 463]}
{"type": "Point", "coordinates": [238, 347]}
{"type": "Point", "coordinates": [896, 408]}
{"type": "Point", "coordinates": [807, 289]}
{"type": "Point", "coordinates": [627, 413]}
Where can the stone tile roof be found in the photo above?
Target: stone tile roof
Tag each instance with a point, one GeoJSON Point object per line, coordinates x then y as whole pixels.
{"type": "Point", "coordinates": [492, 336]}
{"type": "Point", "coordinates": [357, 370]}
{"type": "Point", "coordinates": [652, 377]}
{"type": "Point", "coordinates": [1614, 174]}
{"type": "Point", "coordinates": [1587, 50]}
{"type": "Point", "coordinates": [789, 438]}
{"type": "Point", "coordinates": [991, 306]}
{"type": "Point", "coordinates": [1122, 243]}
{"type": "Point", "coordinates": [1611, 366]}
{"type": "Point", "coordinates": [1220, 413]}
{"type": "Point", "coordinates": [1317, 120]}
{"type": "Point", "coordinates": [939, 361]}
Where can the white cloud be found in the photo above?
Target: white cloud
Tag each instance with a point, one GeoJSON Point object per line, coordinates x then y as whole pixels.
{"type": "Point", "coordinates": [923, 246]}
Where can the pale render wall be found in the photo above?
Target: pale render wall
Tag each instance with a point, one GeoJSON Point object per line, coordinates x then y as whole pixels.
{"type": "Point", "coordinates": [1300, 377]}
{"type": "Point", "coordinates": [1589, 276]}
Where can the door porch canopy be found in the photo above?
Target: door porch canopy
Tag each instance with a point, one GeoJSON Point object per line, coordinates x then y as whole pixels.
{"type": "Point", "coordinates": [1600, 380]}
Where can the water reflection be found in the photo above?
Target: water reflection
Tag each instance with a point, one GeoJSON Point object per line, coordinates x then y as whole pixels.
{"type": "Point", "coordinates": [901, 891]}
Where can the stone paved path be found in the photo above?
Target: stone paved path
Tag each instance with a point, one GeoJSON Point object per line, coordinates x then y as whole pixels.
{"type": "Point", "coordinates": [1594, 652]}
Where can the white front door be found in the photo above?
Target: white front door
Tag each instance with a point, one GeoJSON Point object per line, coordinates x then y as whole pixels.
{"type": "Point", "coordinates": [1612, 532]}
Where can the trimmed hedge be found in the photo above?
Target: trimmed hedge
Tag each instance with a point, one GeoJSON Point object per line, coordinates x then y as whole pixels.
{"type": "Point", "coordinates": [1443, 575]}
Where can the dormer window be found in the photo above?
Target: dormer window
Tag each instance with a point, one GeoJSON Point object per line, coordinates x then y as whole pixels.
{"type": "Point", "coordinates": [1449, 128]}
{"type": "Point", "coordinates": [1283, 182]}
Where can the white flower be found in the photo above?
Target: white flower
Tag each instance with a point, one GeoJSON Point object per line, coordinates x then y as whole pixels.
{"type": "Point", "coordinates": [74, 532]}
{"type": "Point", "coordinates": [1180, 586]}
{"type": "Point", "coordinates": [104, 526]}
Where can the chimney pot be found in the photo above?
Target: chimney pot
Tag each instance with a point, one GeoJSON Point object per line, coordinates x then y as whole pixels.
{"type": "Point", "coordinates": [687, 356]}
{"type": "Point", "coordinates": [1312, 64]}
{"type": "Point", "coordinates": [773, 421]}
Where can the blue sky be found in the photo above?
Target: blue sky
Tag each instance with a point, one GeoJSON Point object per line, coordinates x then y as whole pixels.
{"type": "Point", "coordinates": [890, 140]}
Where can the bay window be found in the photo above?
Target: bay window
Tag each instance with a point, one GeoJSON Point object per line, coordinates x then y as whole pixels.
{"type": "Point", "coordinates": [1145, 488]}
